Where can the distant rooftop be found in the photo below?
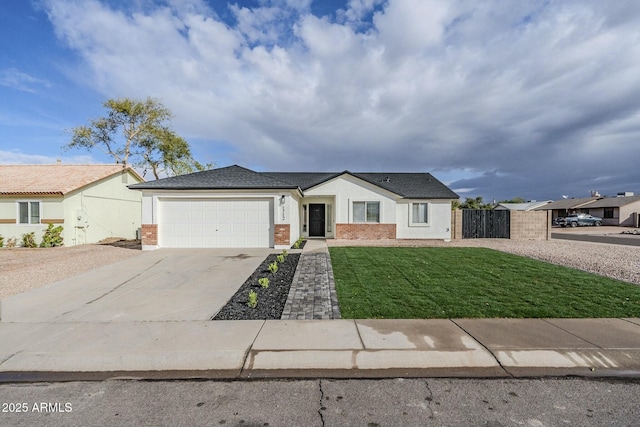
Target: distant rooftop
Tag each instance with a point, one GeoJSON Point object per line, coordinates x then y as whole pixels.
{"type": "Point", "coordinates": [57, 179]}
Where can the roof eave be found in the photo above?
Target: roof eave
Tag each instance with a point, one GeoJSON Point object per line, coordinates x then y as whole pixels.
{"type": "Point", "coordinates": [137, 187]}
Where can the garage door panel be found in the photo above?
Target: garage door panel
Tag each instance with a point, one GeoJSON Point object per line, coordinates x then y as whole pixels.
{"type": "Point", "coordinates": [214, 223]}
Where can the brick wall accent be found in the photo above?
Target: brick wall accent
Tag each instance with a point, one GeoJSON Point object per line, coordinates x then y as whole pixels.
{"type": "Point", "coordinates": [530, 225]}
{"type": "Point", "coordinates": [365, 231]}
{"type": "Point", "coordinates": [149, 234]}
{"type": "Point", "coordinates": [281, 234]}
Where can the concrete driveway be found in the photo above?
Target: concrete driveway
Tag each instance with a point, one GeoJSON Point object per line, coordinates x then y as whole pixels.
{"type": "Point", "coordinates": [162, 285]}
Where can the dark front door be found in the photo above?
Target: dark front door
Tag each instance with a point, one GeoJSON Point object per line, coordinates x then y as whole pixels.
{"type": "Point", "coordinates": [316, 220]}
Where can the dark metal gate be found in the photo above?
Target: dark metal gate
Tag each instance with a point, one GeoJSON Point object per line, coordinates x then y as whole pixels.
{"type": "Point", "coordinates": [486, 224]}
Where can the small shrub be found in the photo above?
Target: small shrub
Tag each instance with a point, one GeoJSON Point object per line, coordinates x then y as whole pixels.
{"type": "Point", "coordinates": [52, 237]}
{"type": "Point", "coordinates": [273, 267]}
{"type": "Point", "coordinates": [1, 241]}
{"type": "Point", "coordinates": [280, 258]}
{"type": "Point", "coordinates": [12, 242]}
{"type": "Point", "coordinates": [29, 240]}
{"type": "Point", "coordinates": [285, 253]}
{"type": "Point", "coordinates": [298, 243]}
{"type": "Point", "coordinates": [264, 282]}
{"type": "Point", "coordinates": [253, 299]}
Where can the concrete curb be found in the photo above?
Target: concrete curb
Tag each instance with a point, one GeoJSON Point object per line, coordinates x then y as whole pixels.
{"type": "Point", "coordinates": [320, 349]}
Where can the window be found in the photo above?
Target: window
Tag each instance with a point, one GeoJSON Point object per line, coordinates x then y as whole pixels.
{"type": "Point", "coordinates": [419, 213]}
{"type": "Point", "coordinates": [329, 219]}
{"type": "Point", "coordinates": [608, 213]}
{"type": "Point", "coordinates": [366, 211]}
{"type": "Point", "coordinates": [29, 212]}
{"type": "Point", "coordinates": [304, 218]}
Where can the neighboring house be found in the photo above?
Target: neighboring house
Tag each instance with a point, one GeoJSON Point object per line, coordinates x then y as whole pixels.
{"type": "Point", "coordinates": [528, 206]}
{"type": "Point", "coordinates": [238, 207]}
{"type": "Point", "coordinates": [622, 210]}
{"type": "Point", "coordinates": [90, 202]}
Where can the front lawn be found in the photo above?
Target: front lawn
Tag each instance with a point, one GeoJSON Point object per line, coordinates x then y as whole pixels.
{"type": "Point", "coordinates": [412, 283]}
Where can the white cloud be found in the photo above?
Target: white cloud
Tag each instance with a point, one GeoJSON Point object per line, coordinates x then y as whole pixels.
{"type": "Point", "coordinates": [475, 86]}
{"type": "Point", "coordinates": [16, 157]}
{"type": "Point", "coordinates": [18, 80]}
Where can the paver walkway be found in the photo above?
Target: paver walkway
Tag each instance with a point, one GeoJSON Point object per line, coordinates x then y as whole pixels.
{"type": "Point", "coordinates": [313, 291]}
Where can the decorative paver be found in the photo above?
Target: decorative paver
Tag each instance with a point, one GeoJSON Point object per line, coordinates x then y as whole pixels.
{"type": "Point", "coordinates": [313, 291]}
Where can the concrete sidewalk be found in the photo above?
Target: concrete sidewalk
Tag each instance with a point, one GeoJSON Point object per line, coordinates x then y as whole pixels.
{"type": "Point", "coordinates": [325, 349]}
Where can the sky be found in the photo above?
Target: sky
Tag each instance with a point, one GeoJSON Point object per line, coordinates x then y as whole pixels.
{"type": "Point", "coordinates": [537, 99]}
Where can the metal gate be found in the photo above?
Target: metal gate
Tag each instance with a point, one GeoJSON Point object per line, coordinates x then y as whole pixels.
{"type": "Point", "coordinates": [486, 224]}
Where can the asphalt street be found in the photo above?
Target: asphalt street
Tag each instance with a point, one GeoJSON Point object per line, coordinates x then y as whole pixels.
{"type": "Point", "coordinates": [386, 402]}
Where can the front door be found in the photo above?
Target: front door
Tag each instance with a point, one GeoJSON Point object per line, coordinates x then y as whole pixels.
{"type": "Point", "coordinates": [316, 220]}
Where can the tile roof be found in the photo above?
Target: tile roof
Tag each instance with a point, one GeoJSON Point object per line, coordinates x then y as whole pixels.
{"type": "Point", "coordinates": [52, 180]}
{"type": "Point", "coordinates": [407, 185]}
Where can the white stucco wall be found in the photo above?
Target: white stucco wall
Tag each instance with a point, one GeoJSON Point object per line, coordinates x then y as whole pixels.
{"type": "Point", "coordinates": [108, 209]}
{"type": "Point", "coordinates": [294, 215]}
{"type": "Point", "coordinates": [348, 189]}
{"type": "Point", "coordinates": [439, 220]}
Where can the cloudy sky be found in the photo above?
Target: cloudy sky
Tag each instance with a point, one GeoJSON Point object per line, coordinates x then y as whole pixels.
{"type": "Point", "coordinates": [497, 98]}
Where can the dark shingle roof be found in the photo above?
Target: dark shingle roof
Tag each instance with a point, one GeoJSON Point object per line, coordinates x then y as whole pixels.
{"type": "Point", "coordinates": [304, 180]}
{"type": "Point", "coordinates": [410, 185]}
{"type": "Point", "coordinates": [407, 185]}
{"type": "Point", "coordinates": [230, 177]}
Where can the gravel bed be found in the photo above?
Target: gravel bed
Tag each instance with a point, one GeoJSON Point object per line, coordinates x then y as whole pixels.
{"type": "Point", "coordinates": [614, 261]}
{"type": "Point", "coordinates": [23, 269]}
{"type": "Point", "coordinates": [271, 300]}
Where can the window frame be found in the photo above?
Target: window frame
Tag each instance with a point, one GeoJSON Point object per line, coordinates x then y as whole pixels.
{"type": "Point", "coordinates": [29, 204]}
{"type": "Point", "coordinates": [607, 211]}
{"type": "Point", "coordinates": [427, 211]}
{"type": "Point", "coordinates": [366, 208]}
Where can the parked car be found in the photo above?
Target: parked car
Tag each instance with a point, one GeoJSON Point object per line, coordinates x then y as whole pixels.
{"type": "Point", "coordinates": [579, 219]}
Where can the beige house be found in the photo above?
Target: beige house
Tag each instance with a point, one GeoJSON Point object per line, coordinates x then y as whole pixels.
{"type": "Point", "coordinates": [623, 210]}
{"type": "Point", "coordinates": [91, 202]}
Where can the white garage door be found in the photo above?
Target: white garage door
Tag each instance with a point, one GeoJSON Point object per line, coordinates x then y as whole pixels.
{"type": "Point", "coordinates": [198, 223]}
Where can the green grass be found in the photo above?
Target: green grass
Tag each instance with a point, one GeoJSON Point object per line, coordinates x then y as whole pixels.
{"type": "Point", "coordinates": [415, 283]}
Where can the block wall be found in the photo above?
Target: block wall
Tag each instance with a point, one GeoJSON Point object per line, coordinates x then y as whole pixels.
{"type": "Point", "coordinates": [530, 225]}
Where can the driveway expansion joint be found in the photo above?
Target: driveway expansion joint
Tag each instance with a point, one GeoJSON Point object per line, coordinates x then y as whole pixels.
{"type": "Point", "coordinates": [115, 288]}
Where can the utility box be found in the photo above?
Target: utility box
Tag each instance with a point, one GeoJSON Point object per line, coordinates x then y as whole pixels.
{"type": "Point", "coordinates": [82, 219]}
